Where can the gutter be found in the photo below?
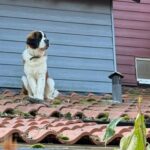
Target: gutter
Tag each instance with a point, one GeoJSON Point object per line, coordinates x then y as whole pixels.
{"type": "Point", "coordinates": [122, 123]}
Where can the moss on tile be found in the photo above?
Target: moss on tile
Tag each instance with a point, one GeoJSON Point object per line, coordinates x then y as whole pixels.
{"type": "Point", "coordinates": [1, 96]}
{"type": "Point", "coordinates": [57, 102]}
{"type": "Point", "coordinates": [62, 137]}
{"type": "Point", "coordinates": [38, 145]}
{"type": "Point", "coordinates": [22, 114]}
{"type": "Point", "coordinates": [91, 100]}
{"type": "Point", "coordinates": [126, 117]}
{"type": "Point", "coordinates": [107, 97]}
{"type": "Point", "coordinates": [103, 117]}
{"type": "Point", "coordinates": [87, 101]}
{"type": "Point", "coordinates": [68, 116]}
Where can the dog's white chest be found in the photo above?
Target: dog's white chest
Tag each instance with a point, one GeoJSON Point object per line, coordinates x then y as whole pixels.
{"type": "Point", "coordinates": [34, 66]}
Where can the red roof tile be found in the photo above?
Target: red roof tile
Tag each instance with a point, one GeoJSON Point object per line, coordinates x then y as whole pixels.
{"type": "Point", "coordinates": [29, 108]}
{"type": "Point", "coordinates": [51, 124]}
{"type": "Point", "coordinates": [46, 111]}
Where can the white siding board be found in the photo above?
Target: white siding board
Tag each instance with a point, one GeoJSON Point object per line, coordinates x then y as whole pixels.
{"type": "Point", "coordinates": [60, 50]}
{"type": "Point", "coordinates": [99, 87]}
{"type": "Point", "coordinates": [11, 46]}
{"type": "Point", "coordinates": [101, 7]}
{"type": "Point", "coordinates": [63, 62]}
{"type": "Point", "coordinates": [81, 54]}
{"type": "Point", "coordinates": [60, 74]}
{"type": "Point", "coordinates": [56, 27]}
{"type": "Point", "coordinates": [13, 82]}
{"type": "Point", "coordinates": [58, 38]}
{"type": "Point", "coordinates": [55, 15]}
{"type": "Point", "coordinates": [90, 64]}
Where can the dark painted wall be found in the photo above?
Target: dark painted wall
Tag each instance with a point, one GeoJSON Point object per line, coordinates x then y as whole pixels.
{"type": "Point", "coordinates": [132, 30]}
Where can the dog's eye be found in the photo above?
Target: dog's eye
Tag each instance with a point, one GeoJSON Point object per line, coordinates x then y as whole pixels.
{"type": "Point", "coordinates": [45, 35]}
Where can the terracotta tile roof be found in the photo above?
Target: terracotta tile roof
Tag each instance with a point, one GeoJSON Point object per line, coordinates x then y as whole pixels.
{"type": "Point", "coordinates": [69, 119]}
{"type": "Point", "coordinates": [59, 131]}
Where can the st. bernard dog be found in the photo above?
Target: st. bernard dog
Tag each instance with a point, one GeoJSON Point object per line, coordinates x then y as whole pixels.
{"type": "Point", "coordinates": [36, 81]}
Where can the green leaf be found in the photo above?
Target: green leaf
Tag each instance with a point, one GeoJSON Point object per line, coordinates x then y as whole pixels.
{"type": "Point", "coordinates": [131, 142]}
{"type": "Point", "coordinates": [140, 131]}
{"type": "Point", "coordinates": [148, 146]}
{"type": "Point", "coordinates": [137, 139]}
{"type": "Point", "coordinates": [125, 141]}
{"type": "Point", "coordinates": [141, 143]}
{"type": "Point", "coordinates": [140, 123]}
{"type": "Point", "coordinates": [110, 129]}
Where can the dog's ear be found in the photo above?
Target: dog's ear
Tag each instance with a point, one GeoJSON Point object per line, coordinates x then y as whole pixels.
{"type": "Point", "coordinates": [33, 39]}
{"type": "Point", "coordinates": [33, 43]}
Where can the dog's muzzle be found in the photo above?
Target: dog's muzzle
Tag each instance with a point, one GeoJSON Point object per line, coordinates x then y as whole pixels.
{"type": "Point", "coordinates": [46, 42]}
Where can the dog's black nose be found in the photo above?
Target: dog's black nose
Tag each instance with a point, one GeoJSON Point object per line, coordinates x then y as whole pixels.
{"type": "Point", "coordinates": [46, 42]}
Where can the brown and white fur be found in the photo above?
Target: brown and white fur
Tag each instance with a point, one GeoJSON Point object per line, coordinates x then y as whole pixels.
{"type": "Point", "coordinates": [36, 81]}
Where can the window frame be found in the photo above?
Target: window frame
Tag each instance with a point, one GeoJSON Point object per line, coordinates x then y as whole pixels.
{"type": "Point", "coordinates": [141, 80]}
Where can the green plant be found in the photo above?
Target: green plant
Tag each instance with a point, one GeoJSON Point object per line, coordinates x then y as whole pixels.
{"type": "Point", "coordinates": [1, 96]}
{"type": "Point", "coordinates": [38, 145]}
{"type": "Point", "coordinates": [9, 115]}
{"type": "Point", "coordinates": [22, 114]}
{"type": "Point", "coordinates": [87, 101]}
{"type": "Point", "coordinates": [103, 117]}
{"type": "Point", "coordinates": [91, 100]}
{"type": "Point", "coordinates": [110, 130]}
{"type": "Point", "coordinates": [134, 141]}
{"type": "Point", "coordinates": [64, 138]}
{"type": "Point", "coordinates": [2, 114]}
{"type": "Point", "coordinates": [126, 118]}
{"type": "Point", "coordinates": [57, 102]}
{"type": "Point", "coordinates": [68, 116]}
{"type": "Point", "coordinates": [26, 115]}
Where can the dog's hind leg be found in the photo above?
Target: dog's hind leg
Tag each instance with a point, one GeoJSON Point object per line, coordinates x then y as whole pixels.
{"type": "Point", "coordinates": [26, 86]}
{"type": "Point", "coordinates": [50, 91]}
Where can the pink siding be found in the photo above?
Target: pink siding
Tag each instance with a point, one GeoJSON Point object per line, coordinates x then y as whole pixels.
{"type": "Point", "coordinates": [132, 31]}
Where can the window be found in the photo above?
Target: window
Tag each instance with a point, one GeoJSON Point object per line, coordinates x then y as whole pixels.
{"type": "Point", "coordinates": [143, 70]}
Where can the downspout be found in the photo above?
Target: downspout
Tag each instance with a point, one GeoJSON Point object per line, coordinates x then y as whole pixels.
{"type": "Point", "coordinates": [113, 37]}
{"type": "Point", "coordinates": [116, 77]}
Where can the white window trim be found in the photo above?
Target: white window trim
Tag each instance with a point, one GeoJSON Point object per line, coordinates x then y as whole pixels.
{"type": "Point", "coordinates": [140, 80]}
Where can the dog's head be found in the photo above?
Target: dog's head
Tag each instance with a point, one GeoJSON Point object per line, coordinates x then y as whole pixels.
{"type": "Point", "coordinates": [37, 40]}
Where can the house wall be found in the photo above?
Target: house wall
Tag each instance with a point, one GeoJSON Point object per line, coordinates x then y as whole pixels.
{"type": "Point", "coordinates": [132, 30]}
{"type": "Point", "coordinates": [81, 54]}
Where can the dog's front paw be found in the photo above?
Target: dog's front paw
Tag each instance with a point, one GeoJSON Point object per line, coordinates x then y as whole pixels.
{"type": "Point", "coordinates": [39, 97]}
{"type": "Point", "coordinates": [34, 100]}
